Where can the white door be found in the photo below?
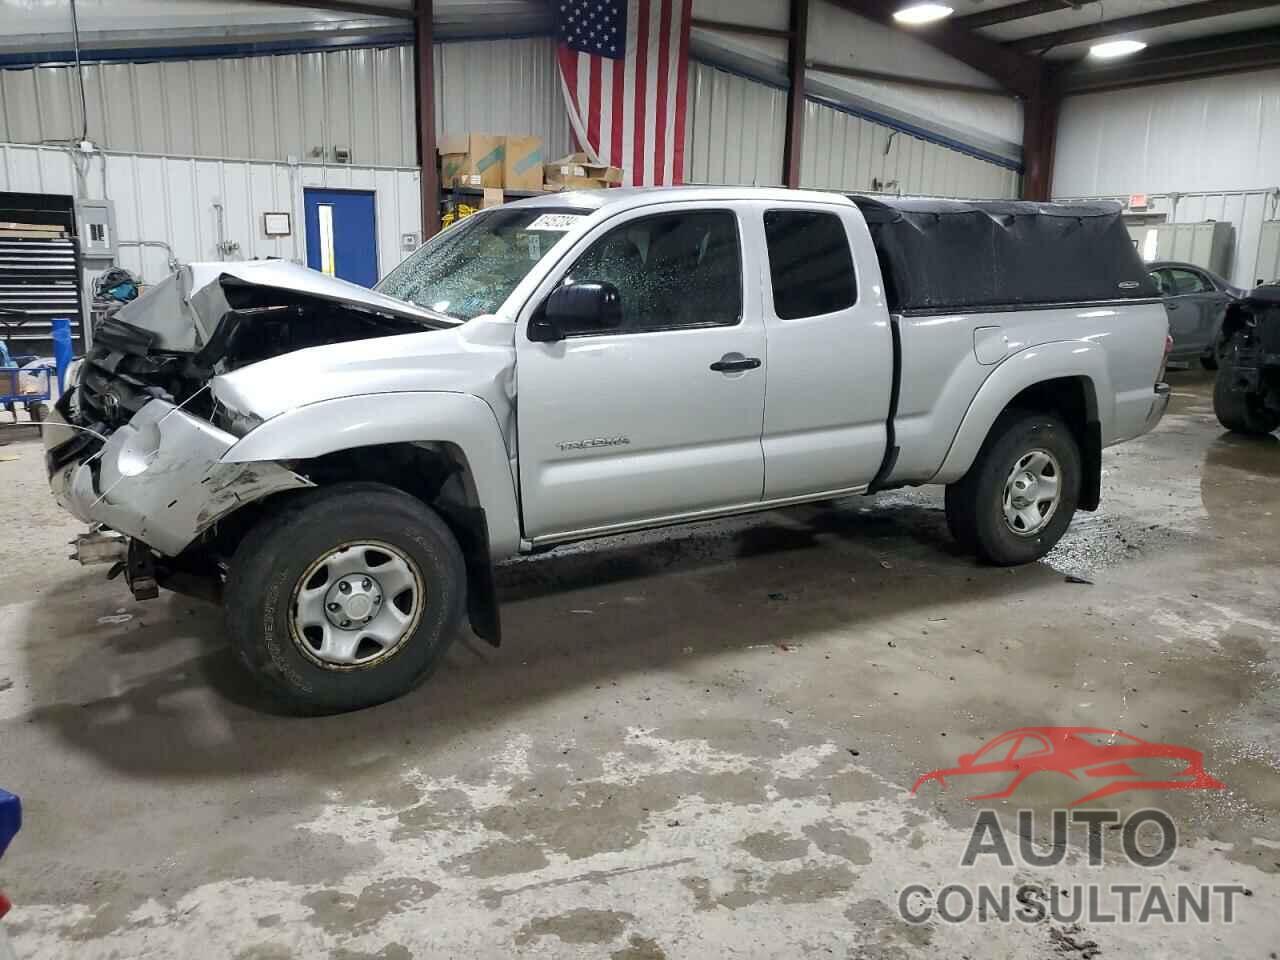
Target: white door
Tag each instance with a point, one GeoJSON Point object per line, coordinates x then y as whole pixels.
{"type": "Point", "coordinates": [633, 425]}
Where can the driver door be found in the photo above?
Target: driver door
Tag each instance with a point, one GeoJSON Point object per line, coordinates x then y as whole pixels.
{"type": "Point", "coordinates": [632, 426]}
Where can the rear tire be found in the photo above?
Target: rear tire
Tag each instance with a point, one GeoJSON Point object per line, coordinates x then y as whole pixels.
{"type": "Point", "coordinates": [1018, 498]}
{"type": "Point", "coordinates": [361, 527]}
{"type": "Point", "coordinates": [1239, 411]}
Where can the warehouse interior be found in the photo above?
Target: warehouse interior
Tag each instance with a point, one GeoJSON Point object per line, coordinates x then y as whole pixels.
{"type": "Point", "coordinates": [713, 739]}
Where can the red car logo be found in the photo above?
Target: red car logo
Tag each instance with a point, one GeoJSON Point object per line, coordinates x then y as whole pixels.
{"type": "Point", "coordinates": [1085, 754]}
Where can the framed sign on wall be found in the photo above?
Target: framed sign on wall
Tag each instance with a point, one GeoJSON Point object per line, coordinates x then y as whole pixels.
{"type": "Point", "coordinates": [277, 224]}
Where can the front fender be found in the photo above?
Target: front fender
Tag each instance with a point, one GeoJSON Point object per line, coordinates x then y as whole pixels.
{"type": "Point", "coordinates": [345, 423]}
{"type": "Point", "coordinates": [1046, 361]}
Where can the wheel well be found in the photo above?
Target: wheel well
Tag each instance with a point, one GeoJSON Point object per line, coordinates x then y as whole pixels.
{"type": "Point", "coordinates": [1074, 401]}
{"type": "Point", "coordinates": [438, 474]}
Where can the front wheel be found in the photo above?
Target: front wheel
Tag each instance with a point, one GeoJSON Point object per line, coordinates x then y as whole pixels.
{"type": "Point", "coordinates": [1018, 498]}
{"type": "Point", "coordinates": [346, 598]}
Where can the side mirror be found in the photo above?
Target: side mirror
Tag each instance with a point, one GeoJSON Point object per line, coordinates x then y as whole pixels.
{"type": "Point", "coordinates": [588, 307]}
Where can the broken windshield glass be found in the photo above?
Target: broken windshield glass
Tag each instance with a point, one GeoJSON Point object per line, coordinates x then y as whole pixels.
{"type": "Point", "coordinates": [470, 268]}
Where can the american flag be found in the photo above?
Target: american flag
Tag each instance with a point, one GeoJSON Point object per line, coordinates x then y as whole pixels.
{"type": "Point", "coordinates": [624, 71]}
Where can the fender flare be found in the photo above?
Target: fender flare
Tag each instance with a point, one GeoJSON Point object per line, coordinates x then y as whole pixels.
{"type": "Point", "coordinates": [345, 423]}
{"type": "Point", "coordinates": [1047, 361]}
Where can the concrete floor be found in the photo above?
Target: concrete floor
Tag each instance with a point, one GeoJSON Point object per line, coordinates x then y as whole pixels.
{"type": "Point", "coordinates": [699, 743]}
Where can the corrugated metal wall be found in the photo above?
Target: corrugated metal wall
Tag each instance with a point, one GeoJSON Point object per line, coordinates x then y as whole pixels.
{"type": "Point", "coordinates": [735, 129]}
{"type": "Point", "coordinates": [1214, 133]}
{"type": "Point", "coordinates": [293, 105]}
{"type": "Point", "coordinates": [170, 200]}
{"type": "Point", "coordinates": [846, 152]}
{"type": "Point", "coordinates": [737, 126]}
{"type": "Point", "coordinates": [1247, 210]}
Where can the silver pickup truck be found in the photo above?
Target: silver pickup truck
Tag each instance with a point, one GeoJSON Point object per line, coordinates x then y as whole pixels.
{"type": "Point", "coordinates": [341, 467]}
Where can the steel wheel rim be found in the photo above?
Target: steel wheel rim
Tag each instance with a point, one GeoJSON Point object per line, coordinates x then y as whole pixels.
{"type": "Point", "coordinates": [1032, 492]}
{"type": "Point", "coordinates": [356, 605]}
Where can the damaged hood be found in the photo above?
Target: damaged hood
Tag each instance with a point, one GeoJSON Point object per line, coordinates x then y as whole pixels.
{"type": "Point", "coordinates": [184, 310]}
{"type": "Point", "coordinates": [476, 358]}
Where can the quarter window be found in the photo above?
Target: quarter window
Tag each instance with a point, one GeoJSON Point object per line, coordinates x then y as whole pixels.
{"type": "Point", "coordinates": [673, 270]}
{"type": "Point", "coordinates": [809, 263]}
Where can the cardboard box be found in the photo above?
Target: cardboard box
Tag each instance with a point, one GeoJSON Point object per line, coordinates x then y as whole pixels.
{"type": "Point", "coordinates": [577, 172]}
{"type": "Point", "coordinates": [471, 160]}
{"type": "Point", "coordinates": [522, 163]}
{"type": "Point", "coordinates": [493, 197]}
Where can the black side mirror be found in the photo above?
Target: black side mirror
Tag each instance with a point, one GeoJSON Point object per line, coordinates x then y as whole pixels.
{"type": "Point", "coordinates": [577, 308]}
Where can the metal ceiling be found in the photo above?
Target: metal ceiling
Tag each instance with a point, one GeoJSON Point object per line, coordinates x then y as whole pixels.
{"type": "Point", "coordinates": [1061, 30]}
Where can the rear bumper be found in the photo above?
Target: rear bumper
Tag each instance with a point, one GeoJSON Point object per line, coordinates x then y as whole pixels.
{"type": "Point", "coordinates": [159, 478]}
{"type": "Point", "coordinates": [1159, 404]}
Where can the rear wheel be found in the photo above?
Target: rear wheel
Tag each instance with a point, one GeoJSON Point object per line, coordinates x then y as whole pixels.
{"type": "Point", "coordinates": [1018, 498]}
{"type": "Point", "coordinates": [1239, 410]}
{"type": "Point", "coordinates": [346, 598]}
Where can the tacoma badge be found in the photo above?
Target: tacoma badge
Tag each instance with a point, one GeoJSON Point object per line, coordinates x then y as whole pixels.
{"type": "Point", "coordinates": [597, 442]}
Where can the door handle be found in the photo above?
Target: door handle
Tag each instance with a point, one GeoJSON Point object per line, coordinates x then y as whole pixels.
{"type": "Point", "coordinates": [726, 365]}
{"type": "Point", "coordinates": [1171, 306]}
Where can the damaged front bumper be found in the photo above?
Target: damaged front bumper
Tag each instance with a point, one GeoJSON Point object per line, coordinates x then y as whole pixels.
{"type": "Point", "coordinates": [158, 478]}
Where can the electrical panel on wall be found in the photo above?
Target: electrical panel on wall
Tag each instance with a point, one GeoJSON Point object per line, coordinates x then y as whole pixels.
{"type": "Point", "coordinates": [96, 227]}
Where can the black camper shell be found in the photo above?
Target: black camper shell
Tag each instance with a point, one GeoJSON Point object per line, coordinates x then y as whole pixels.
{"type": "Point", "coordinates": [950, 255]}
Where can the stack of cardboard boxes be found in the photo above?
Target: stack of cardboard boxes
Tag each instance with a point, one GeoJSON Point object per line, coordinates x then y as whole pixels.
{"type": "Point", "coordinates": [494, 163]}
{"type": "Point", "coordinates": [577, 172]}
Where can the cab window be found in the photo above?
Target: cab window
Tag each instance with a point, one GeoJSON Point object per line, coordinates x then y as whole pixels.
{"type": "Point", "coordinates": [809, 263]}
{"type": "Point", "coordinates": [672, 271]}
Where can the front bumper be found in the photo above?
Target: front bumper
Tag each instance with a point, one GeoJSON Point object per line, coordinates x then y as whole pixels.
{"type": "Point", "coordinates": [159, 478]}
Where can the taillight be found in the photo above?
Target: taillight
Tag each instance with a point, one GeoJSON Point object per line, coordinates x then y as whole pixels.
{"type": "Point", "coordinates": [1164, 359]}
{"type": "Point", "coordinates": [5, 905]}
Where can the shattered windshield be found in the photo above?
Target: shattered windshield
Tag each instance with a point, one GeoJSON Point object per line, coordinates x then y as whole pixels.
{"type": "Point", "coordinates": [470, 268]}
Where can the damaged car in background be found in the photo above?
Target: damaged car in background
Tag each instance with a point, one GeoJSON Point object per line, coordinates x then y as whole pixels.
{"type": "Point", "coordinates": [341, 467]}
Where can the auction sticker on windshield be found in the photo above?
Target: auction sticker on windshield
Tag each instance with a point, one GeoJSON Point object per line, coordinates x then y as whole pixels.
{"type": "Point", "coordinates": [555, 221]}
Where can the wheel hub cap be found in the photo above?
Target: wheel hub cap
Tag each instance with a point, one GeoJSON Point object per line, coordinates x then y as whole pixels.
{"type": "Point", "coordinates": [357, 605]}
{"type": "Point", "coordinates": [1032, 492]}
{"type": "Point", "coordinates": [352, 601]}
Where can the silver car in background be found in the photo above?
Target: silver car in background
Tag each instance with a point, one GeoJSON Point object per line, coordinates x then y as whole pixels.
{"type": "Point", "coordinates": [1197, 300]}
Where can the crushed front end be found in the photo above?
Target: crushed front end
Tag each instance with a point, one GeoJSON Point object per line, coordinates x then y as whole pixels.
{"type": "Point", "coordinates": [134, 448]}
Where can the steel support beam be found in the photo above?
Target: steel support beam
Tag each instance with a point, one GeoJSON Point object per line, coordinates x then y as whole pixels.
{"type": "Point", "coordinates": [1039, 139]}
{"type": "Point", "coordinates": [793, 147]}
{"type": "Point", "coordinates": [746, 30]}
{"type": "Point", "coordinates": [1142, 21]}
{"type": "Point", "coordinates": [1170, 62]}
{"type": "Point", "coordinates": [857, 73]}
{"type": "Point", "coordinates": [424, 88]}
{"type": "Point", "coordinates": [343, 6]}
{"type": "Point", "coordinates": [1016, 11]}
{"type": "Point", "coordinates": [1016, 72]}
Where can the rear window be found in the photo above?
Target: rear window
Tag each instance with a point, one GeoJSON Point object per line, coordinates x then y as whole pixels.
{"type": "Point", "coordinates": [809, 263]}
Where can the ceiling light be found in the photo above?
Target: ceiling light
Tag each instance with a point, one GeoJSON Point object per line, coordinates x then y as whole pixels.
{"type": "Point", "coordinates": [919, 13]}
{"type": "Point", "coordinates": [1115, 48]}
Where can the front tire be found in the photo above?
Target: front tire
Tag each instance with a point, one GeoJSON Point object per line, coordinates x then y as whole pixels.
{"type": "Point", "coordinates": [346, 598]}
{"type": "Point", "coordinates": [1018, 498]}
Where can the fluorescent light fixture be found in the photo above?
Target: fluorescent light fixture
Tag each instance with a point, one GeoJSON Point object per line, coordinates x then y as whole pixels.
{"type": "Point", "coordinates": [1115, 48]}
{"type": "Point", "coordinates": [919, 13]}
